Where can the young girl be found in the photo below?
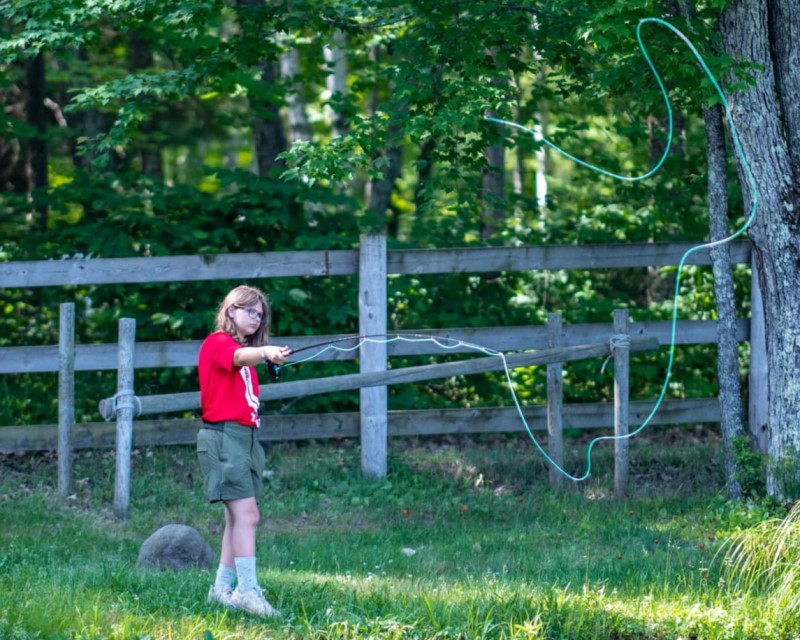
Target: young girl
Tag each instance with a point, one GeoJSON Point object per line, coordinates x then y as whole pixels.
{"type": "Point", "coordinates": [231, 457]}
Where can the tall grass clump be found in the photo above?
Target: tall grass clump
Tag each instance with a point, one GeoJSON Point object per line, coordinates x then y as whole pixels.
{"type": "Point", "coordinates": [765, 558]}
{"type": "Point", "coordinates": [763, 562]}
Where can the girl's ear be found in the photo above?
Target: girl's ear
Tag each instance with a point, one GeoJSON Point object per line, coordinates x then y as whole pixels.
{"type": "Point", "coordinates": [230, 311]}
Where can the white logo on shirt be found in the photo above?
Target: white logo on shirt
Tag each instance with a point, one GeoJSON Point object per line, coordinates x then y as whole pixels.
{"type": "Point", "coordinates": [250, 398]}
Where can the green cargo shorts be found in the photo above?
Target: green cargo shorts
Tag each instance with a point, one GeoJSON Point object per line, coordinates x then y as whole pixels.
{"type": "Point", "coordinates": [232, 461]}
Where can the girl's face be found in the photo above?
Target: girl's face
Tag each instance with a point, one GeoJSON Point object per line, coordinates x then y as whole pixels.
{"type": "Point", "coordinates": [246, 319]}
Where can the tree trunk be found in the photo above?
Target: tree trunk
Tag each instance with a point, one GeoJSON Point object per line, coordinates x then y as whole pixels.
{"type": "Point", "coordinates": [541, 163]}
{"type": "Point", "coordinates": [13, 154]}
{"type": "Point", "coordinates": [299, 127]}
{"type": "Point", "coordinates": [756, 111]}
{"type": "Point", "coordinates": [38, 118]}
{"type": "Point", "coordinates": [424, 171]}
{"type": "Point", "coordinates": [520, 173]}
{"type": "Point", "coordinates": [336, 60]}
{"type": "Point", "coordinates": [380, 191]}
{"type": "Point", "coordinates": [87, 124]}
{"type": "Point", "coordinates": [493, 187]}
{"type": "Point", "coordinates": [270, 139]}
{"type": "Point", "coordinates": [730, 391]}
{"type": "Point", "coordinates": [149, 152]}
{"type": "Point", "coordinates": [784, 28]}
{"type": "Point", "coordinates": [661, 287]}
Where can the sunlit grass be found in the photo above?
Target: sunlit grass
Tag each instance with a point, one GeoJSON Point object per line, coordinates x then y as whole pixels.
{"type": "Point", "coordinates": [462, 539]}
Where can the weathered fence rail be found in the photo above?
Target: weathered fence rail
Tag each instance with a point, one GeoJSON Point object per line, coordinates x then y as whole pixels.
{"type": "Point", "coordinates": [103, 357]}
{"type": "Point", "coordinates": [323, 426]}
{"type": "Point", "coordinates": [281, 264]}
{"type": "Point", "coordinates": [173, 402]}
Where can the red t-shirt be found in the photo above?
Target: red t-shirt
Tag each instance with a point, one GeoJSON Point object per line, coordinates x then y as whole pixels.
{"type": "Point", "coordinates": [227, 392]}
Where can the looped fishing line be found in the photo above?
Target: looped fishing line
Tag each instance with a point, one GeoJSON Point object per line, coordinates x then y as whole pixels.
{"type": "Point", "coordinates": [454, 343]}
{"type": "Point", "coordinates": [617, 341]}
{"type": "Point", "coordinates": [708, 245]}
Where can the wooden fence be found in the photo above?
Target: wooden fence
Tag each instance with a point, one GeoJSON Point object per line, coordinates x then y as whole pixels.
{"type": "Point", "coordinates": [373, 264]}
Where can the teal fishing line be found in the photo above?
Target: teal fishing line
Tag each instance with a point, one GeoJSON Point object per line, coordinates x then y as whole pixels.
{"type": "Point", "coordinates": [442, 342]}
{"type": "Point", "coordinates": [708, 245]}
{"type": "Point", "coordinates": [453, 343]}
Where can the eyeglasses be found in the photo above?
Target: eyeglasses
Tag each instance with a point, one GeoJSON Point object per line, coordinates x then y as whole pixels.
{"type": "Point", "coordinates": [253, 314]}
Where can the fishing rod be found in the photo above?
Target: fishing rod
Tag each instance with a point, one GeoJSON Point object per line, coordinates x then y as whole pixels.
{"type": "Point", "coordinates": [275, 370]}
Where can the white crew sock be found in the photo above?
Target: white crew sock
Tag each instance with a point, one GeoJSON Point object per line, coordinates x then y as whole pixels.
{"type": "Point", "coordinates": [226, 577]}
{"type": "Point", "coordinates": [246, 573]}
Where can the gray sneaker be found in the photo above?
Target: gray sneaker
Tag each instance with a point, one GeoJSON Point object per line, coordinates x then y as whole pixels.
{"type": "Point", "coordinates": [253, 601]}
{"type": "Point", "coordinates": [220, 595]}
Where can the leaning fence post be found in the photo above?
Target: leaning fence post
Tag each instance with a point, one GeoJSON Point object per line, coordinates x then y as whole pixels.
{"type": "Point", "coordinates": [555, 402]}
{"type": "Point", "coordinates": [372, 322]}
{"type": "Point", "coordinates": [124, 403]}
{"type": "Point", "coordinates": [66, 395]}
{"type": "Point", "coordinates": [620, 344]}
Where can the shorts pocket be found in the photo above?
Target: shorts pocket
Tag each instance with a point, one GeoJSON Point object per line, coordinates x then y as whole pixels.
{"type": "Point", "coordinates": [233, 458]}
{"type": "Point", "coordinates": [203, 453]}
{"type": "Point", "coordinates": [208, 458]}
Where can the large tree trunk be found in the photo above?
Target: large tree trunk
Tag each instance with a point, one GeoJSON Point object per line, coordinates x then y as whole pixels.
{"type": "Point", "coordinates": [756, 111]}
{"type": "Point", "coordinates": [730, 389]}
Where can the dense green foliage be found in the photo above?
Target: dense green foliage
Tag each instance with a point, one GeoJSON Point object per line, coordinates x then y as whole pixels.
{"type": "Point", "coordinates": [462, 539]}
{"type": "Point", "coordinates": [186, 82]}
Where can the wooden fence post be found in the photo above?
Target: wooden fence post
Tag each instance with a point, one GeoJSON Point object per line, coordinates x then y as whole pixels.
{"type": "Point", "coordinates": [621, 352]}
{"type": "Point", "coordinates": [124, 404]}
{"type": "Point", "coordinates": [555, 402]}
{"type": "Point", "coordinates": [372, 322]}
{"type": "Point", "coordinates": [66, 395]}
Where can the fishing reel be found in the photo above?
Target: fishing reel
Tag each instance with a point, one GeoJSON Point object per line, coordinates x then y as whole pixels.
{"type": "Point", "coordinates": [274, 370]}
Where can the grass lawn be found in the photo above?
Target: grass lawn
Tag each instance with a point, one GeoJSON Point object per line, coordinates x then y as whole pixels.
{"type": "Point", "coordinates": [462, 539]}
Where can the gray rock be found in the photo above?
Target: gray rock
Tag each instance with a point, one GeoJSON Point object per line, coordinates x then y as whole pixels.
{"type": "Point", "coordinates": [176, 547]}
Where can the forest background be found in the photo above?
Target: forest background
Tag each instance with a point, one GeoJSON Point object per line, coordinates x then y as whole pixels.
{"type": "Point", "coordinates": [135, 128]}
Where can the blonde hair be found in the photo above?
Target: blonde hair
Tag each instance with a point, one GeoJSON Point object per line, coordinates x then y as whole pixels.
{"type": "Point", "coordinates": [244, 296]}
